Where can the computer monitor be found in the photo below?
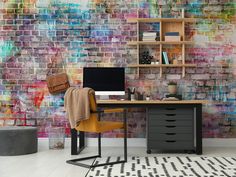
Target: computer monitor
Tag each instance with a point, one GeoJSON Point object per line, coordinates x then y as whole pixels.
{"type": "Point", "coordinates": [105, 80]}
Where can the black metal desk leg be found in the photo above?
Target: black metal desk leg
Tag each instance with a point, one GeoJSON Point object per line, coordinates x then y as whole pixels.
{"type": "Point", "coordinates": [199, 129]}
{"type": "Point", "coordinates": [74, 142]}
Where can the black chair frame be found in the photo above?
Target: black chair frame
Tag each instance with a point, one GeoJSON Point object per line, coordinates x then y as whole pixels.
{"type": "Point", "coordinates": [76, 161]}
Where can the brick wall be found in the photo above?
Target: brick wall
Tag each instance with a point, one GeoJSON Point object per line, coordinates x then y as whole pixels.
{"type": "Point", "coordinates": [40, 37]}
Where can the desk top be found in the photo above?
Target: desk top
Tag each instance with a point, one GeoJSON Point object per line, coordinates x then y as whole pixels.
{"type": "Point", "coordinates": [137, 102]}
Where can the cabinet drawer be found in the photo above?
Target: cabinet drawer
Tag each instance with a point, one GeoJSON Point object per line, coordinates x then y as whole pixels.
{"type": "Point", "coordinates": [156, 117]}
{"type": "Point", "coordinates": [169, 129]}
{"type": "Point", "coordinates": [170, 110]}
{"type": "Point", "coordinates": [169, 145]}
{"type": "Point", "coordinates": [170, 136]}
{"type": "Point", "coordinates": [171, 122]}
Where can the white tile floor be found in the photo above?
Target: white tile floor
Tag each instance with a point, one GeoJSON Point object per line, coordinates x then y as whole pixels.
{"type": "Point", "coordinates": [51, 163]}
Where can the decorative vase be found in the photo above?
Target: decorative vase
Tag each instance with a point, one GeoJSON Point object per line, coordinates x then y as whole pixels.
{"type": "Point", "coordinates": [172, 89]}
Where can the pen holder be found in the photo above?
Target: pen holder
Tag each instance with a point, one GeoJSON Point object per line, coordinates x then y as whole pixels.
{"type": "Point", "coordinates": [132, 96]}
{"type": "Point", "coordinates": [128, 94]}
{"type": "Point", "coordinates": [140, 96]}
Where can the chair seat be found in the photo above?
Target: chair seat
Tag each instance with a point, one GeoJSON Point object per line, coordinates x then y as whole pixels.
{"type": "Point", "coordinates": [102, 126]}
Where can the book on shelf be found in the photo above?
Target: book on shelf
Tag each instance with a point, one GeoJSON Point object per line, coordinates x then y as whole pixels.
{"type": "Point", "coordinates": [149, 33]}
{"type": "Point", "coordinates": [150, 36]}
{"type": "Point", "coordinates": [150, 40]}
{"type": "Point", "coordinates": [172, 38]}
{"type": "Point", "coordinates": [165, 57]}
{"type": "Point", "coordinates": [172, 34]}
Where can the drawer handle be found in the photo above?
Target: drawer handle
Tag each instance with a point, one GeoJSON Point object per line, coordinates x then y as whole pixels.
{"type": "Point", "coordinates": [170, 133]}
{"type": "Point", "coordinates": [169, 120]}
{"type": "Point", "coordinates": [170, 108]}
{"type": "Point", "coordinates": [170, 126]}
{"type": "Point", "coordinates": [170, 114]}
{"type": "Point", "coordinates": [170, 141]}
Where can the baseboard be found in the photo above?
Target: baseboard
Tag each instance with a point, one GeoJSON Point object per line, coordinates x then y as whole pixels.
{"type": "Point", "coordinates": [219, 142]}
{"type": "Point", "coordinates": [141, 142]}
{"type": "Point", "coordinates": [111, 142]}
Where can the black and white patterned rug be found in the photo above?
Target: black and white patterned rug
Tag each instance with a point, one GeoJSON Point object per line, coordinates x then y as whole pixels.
{"type": "Point", "coordinates": [168, 167]}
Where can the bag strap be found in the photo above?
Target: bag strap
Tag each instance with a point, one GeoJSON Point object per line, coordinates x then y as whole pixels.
{"type": "Point", "coordinates": [64, 69]}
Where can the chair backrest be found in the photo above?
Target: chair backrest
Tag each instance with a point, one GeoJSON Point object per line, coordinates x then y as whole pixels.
{"type": "Point", "coordinates": [91, 124]}
{"type": "Point", "coordinates": [92, 101]}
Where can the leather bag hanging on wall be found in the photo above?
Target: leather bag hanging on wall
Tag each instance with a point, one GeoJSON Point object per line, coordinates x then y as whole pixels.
{"type": "Point", "coordinates": [58, 83]}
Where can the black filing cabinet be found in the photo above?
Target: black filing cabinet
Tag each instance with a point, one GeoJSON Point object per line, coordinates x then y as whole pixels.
{"type": "Point", "coordinates": [170, 127]}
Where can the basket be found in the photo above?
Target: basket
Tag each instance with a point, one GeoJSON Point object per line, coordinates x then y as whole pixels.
{"type": "Point", "coordinates": [56, 136]}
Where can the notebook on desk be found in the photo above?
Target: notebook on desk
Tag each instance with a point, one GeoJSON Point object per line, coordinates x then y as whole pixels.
{"type": "Point", "coordinates": [170, 99]}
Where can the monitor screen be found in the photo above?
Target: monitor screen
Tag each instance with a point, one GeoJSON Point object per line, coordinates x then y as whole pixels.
{"type": "Point", "coordinates": [105, 81]}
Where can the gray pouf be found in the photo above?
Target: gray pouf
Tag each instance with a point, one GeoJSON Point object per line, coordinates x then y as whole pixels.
{"type": "Point", "coordinates": [18, 140]}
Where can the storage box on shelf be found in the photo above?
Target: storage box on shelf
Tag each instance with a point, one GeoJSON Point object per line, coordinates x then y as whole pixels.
{"type": "Point", "coordinates": [171, 32]}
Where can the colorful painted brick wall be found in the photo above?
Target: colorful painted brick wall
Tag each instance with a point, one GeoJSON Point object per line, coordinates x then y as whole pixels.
{"type": "Point", "coordinates": [41, 37]}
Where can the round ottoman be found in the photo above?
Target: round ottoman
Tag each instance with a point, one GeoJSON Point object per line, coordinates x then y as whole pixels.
{"type": "Point", "coordinates": [18, 140]}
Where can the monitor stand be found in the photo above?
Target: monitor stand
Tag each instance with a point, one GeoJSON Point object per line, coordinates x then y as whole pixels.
{"type": "Point", "coordinates": [104, 97]}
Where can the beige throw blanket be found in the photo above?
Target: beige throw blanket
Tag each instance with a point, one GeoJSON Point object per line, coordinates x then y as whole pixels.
{"type": "Point", "coordinates": [77, 105]}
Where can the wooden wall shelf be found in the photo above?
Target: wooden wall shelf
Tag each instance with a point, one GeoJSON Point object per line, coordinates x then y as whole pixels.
{"type": "Point", "coordinates": [161, 65]}
{"type": "Point", "coordinates": [159, 42]}
{"type": "Point", "coordinates": [153, 20]}
{"type": "Point", "coordinates": [166, 25]}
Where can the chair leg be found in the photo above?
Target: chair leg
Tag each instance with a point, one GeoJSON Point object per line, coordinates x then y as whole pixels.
{"type": "Point", "coordinates": [99, 144]}
{"type": "Point", "coordinates": [125, 147]}
{"type": "Point", "coordinates": [75, 161]}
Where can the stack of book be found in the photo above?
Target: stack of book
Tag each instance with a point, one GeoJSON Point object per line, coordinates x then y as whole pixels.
{"type": "Point", "coordinates": [150, 36]}
{"type": "Point", "coordinates": [172, 36]}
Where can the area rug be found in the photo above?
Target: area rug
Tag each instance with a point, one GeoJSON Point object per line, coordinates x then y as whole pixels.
{"type": "Point", "coordinates": [168, 167]}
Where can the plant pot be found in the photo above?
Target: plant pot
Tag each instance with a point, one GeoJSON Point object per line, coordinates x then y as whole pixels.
{"type": "Point", "coordinates": [172, 89]}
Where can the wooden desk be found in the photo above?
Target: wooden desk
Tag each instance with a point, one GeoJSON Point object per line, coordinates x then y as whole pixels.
{"type": "Point", "coordinates": [109, 103]}
{"type": "Point", "coordinates": [153, 107]}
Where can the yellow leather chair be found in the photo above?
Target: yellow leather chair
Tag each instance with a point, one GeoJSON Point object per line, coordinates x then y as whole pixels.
{"type": "Point", "coordinates": [95, 125]}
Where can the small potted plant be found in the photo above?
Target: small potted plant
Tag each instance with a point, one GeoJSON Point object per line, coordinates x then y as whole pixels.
{"type": "Point", "coordinates": [172, 87]}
